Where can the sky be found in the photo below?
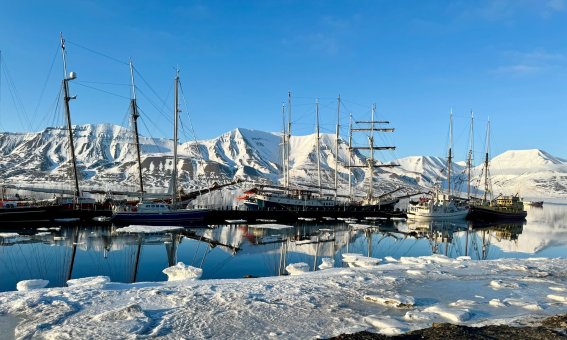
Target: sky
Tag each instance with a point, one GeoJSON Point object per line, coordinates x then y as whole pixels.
{"type": "Point", "coordinates": [504, 60]}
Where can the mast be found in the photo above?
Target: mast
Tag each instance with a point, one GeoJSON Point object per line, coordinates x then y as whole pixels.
{"type": "Point", "coordinates": [175, 139]}
{"type": "Point", "coordinates": [288, 138]}
{"type": "Point", "coordinates": [318, 146]}
{"type": "Point", "coordinates": [449, 154]}
{"type": "Point", "coordinates": [370, 127]}
{"type": "Point", "coordinates": [486, 176]}
{"type": "Point", "coordinates": [135, 115]}
{"type": "Point", "coordinates": [284, 148]}
{"type": "Point", "coordinates": [350, 158]}
{"type": "Point", "coordinates": [66, 80]}
{"type": "Point", "coordinates": [337, 148]}
{"type": "Point", "coordinates": [371, 158]}
{"type": "Point", "coordinates": [470, 158]}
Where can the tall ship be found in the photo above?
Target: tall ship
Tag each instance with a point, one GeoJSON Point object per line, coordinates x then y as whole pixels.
{"type": "Point", "coordinates": [318, 197]}
{"type": "Point", "coordinates": [150, 212]}
{"type": "Point", "coordinates": [501, 208]}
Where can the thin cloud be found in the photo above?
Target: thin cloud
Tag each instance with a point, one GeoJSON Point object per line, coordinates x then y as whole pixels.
{"type": "Point", "coordinates": [530, 62]}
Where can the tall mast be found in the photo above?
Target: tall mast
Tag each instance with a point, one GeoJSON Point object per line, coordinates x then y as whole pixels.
{"type": "Point", "coordinates": [470, 158]}
{"type": "Point", "coordinates": [175, 139]}
{"type": "Point", "coordinates": [370, 127]}
{"type": "Point", "coordinates": [371, 158]}
{"type": "Point", "coordinates": [486, 175]}
{"type": "Point", "coordinates": [449, 154]}
{"type": "Point", "coordinates": [284, 148]}
{"type": "Point", "coordinates": [318, 146]}
{"type": "Point", "coordinates": [337, 147]}
{"type": "Point", "coordinates": [288, 151]}
{"type": "Point", "coordinates": [350, 158]}
{"type": "Point", "coordinates": [135, 115]}
{"type": "Point", "coordinates": [66, 79]}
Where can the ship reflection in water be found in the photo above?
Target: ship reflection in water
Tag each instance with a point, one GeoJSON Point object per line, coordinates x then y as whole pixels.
{"type": "Point", "coordinates": [243, 250]}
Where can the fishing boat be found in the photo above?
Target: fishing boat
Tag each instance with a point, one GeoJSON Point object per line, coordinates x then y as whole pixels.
{"type": "Point", "coordinates": [537, 204]}
{"type": "Point", "coordinates": [503, 207]}
{"type": "Point", "coordinates": [440, 206]}
{"type": "Point", "coordinates": [157, 212]}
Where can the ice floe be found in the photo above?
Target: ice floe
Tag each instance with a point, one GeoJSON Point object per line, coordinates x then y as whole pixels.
{"type": "Point", "coordinates": [181, 271]}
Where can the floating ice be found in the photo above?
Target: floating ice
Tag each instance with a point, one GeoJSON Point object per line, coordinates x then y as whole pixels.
{"type": "Point", "coordinates": [451, 314]}
{"type": "Point", "coordinates": [31, 284]}
{"type": "Point", "coordinates": [182, 272]}
{"type": "Point", "coordinates": [399, 301]}
{"type": "Point", "coordinates": [497, 284]}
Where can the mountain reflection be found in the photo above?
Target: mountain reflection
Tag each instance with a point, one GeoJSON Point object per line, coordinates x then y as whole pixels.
{"type": "Point", "coordinates": [246, 250]}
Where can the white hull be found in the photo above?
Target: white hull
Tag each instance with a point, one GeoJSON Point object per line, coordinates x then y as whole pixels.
{"type": "Point", "coordinates": [438, 216]}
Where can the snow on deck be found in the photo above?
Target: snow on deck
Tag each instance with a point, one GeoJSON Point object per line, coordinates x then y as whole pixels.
{"type": "Point", "coordinates": [384, 298]}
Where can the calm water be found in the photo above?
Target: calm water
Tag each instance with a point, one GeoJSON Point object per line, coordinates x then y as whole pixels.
{"type": "Point", "coordinates": [236, 251]}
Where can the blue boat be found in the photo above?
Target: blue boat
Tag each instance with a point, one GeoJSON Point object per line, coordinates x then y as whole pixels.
{"type": "Point", "coordinates": [158, 213]}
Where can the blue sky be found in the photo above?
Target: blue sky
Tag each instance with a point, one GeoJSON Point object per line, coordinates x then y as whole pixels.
{"type": "Point", "coordinates": [416, 60]}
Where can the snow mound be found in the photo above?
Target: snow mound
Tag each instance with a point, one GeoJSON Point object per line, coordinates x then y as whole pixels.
{"type": "Point", "coordinates": [31, 284]}
{"type": "Point", "coordinates": [98, 281]}
{"type": "Point", "coordinates": [399, 301]}
{"type": "Point", "coordinates": [386, 325]}
{"type": "Point", "coordinates": [326, 263]}
{"type": "Point", "coordinates": [297, 268]}
{"type": "Point", "coordinates": [182, 272]}
{"type": "Point", "coordinates": [357, 260]}
{"type": "Point", "coordinates": [452, 314]}
{"type": "Point", "coordinates": [560, 298]}
{"type": "Point", "coordinates": [131, 318]}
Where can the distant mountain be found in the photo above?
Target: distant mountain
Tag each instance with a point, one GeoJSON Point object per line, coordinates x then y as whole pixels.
{"type": "Point", "coordinates": [106, 160]}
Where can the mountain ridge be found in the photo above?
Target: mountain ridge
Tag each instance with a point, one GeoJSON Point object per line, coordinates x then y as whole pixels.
{"type": "Point", "coordinates": [106, 159]}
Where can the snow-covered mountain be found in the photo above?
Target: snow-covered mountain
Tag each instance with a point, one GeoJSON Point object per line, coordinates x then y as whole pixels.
{"type": "Point", "coordinates": [106, 160]}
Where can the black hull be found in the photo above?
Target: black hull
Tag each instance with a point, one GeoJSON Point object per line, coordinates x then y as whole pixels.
{"type": "Point", "coordinates": [44, 215]}
{"type": "Point", "coordinates": [268, 205]}
{"type": "Point", "coordinates": [487, 214]}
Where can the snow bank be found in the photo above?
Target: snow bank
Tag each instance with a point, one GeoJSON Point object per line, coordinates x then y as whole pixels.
{"type": "Point", "coordinates": [382, 299]}
{"type": "Point", "coordinates": [182, 272]}
{"type": "Point", "coordinates": [31, 284]}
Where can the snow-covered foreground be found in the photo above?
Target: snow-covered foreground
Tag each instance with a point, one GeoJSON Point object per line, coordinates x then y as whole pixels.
{"type": "Point", "coordinates": [390, 298]}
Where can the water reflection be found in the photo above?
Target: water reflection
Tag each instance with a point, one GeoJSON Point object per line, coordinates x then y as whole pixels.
{"type": "Point", "coordinates": [235, 251]}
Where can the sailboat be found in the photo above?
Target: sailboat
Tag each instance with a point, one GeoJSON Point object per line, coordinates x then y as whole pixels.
{"type": "Point", "coordinates": [440, 206]}
{"type": "Point", "coordinates": [503, 207]}
{"type": "Point", "coordinates": [157, 213]}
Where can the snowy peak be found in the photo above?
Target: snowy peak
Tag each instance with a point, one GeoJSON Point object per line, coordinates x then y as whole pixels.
{"type": "Point", "coordinates": [525, 159]}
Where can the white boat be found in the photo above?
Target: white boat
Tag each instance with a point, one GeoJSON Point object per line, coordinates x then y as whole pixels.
{"type": "Point", "coordinates": [436, 208]}
{"type": "Point", "coordinates": [440, 206]}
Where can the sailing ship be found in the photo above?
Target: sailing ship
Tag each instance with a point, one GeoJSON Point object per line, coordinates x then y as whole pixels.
{"type": "Point", "coordinates": [311, 197]}
{"type": "Point", "coordinates": [74, 207]}
{"type": "Point", "coordinates": [440, 206]}
{"type": "Point", "coordinates": [149, 212]}
{"type": "Point", "coordinates": [503, 207]}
